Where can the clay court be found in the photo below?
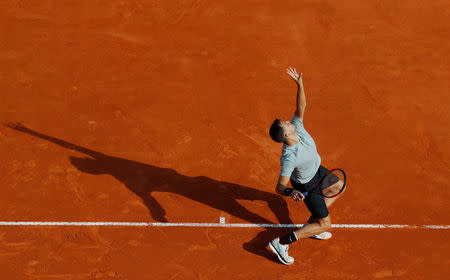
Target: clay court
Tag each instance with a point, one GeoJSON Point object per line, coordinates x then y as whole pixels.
{"type": "Point", "coordinates": [153, 112]}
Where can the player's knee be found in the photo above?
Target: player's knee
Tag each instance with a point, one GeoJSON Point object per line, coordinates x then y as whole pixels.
{"type": "Point", "coordinates": [325, 223]}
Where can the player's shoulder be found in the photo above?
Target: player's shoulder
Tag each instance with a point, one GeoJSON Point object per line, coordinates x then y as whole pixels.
{"type": "Point", "coordinates": [288, 153]}
{"type": "Point", "coordinates": [297, 120]}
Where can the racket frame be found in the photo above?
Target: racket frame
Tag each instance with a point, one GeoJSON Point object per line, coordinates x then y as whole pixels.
{"type": "Point", "coordinates": [305, 194]}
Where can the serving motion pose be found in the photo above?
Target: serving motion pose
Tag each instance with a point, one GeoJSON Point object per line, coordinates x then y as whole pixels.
{"type": "Point", "coordinates": [300, 164]}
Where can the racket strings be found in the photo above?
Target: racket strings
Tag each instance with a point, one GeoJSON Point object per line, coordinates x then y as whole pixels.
{"type": "Point", "coordinates": [333, 183]}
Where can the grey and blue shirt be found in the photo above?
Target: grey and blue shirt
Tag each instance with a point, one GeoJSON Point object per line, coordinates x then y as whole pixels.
{"type": "Point", "coordinates": [300, 161]}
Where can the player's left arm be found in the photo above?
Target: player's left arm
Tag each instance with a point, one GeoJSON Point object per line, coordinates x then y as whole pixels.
{"type": "Point", "coordinates": [282, 187]}
{"type": "Point", "coordinates": [301, 99]}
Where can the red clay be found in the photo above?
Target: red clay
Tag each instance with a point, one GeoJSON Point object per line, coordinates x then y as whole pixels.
{"type": "Point", "coordinates": [119, 100]}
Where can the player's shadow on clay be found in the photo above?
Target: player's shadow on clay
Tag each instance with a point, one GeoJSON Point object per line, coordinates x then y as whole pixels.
{"type": "Point", "coordinates": [143, 179]}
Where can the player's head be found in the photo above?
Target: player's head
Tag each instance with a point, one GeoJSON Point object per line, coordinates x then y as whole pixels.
{"type": "Point", "coordinates": [280, 131]}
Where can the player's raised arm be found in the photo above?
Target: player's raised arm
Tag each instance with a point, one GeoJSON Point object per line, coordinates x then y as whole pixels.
{"type": "Point", "coordinates": [301, 99]}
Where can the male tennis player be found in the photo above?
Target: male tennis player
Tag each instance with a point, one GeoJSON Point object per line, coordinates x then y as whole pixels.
{"type": "Point", "coordinates": [300, 164]}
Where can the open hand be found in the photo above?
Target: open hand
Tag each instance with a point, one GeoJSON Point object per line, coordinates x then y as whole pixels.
{"type": "Point", "coordinates": [293, 73]}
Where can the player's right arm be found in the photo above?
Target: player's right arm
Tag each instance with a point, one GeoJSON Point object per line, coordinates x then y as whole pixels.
{"type": "Point", "coordinates": [301, 99]}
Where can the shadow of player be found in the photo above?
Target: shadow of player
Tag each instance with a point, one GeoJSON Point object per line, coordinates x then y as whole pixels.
{"type": "Point", "coordinates": [143, 179]}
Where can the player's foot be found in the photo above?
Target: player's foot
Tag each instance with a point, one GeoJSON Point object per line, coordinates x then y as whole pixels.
{"type": "Point", "coordinates": [281, 251]}
{"type": "Point", "coordinates": [321, 236]}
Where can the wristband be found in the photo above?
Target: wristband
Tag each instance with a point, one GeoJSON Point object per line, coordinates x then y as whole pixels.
{"type": "Point", "coordinates": [288, 191]}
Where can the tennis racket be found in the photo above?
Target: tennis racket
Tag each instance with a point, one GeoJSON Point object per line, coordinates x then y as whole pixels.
{"type": "Point", "coordinates": [332, 184]}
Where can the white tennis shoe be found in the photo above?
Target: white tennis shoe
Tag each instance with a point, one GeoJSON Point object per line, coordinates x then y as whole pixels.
{"type": "Point", "coordinates": [321, 236]}
{"type": "Point", "coordinates": [281, 251]}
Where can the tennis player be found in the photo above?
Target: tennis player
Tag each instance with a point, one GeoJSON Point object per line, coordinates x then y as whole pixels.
{"type": "Point", "coordinates": [300, 164]}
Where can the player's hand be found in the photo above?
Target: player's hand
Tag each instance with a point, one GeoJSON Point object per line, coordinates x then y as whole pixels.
{"type": "Point", "coordinates": [297, 196]}
{"type": "Point", "coordinates": [296, 77]}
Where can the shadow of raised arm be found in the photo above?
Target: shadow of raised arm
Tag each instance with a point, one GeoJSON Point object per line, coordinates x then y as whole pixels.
{"type": "Point", "coordinates": [19, 127]}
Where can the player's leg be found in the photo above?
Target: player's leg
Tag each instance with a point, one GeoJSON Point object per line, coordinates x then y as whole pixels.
{"type": "Point", "coordinates": [314, 227]}
{"type": "Point", "coordinates": [316, 205]}
{"type": "Point", "coordinates": [328, 201]}
{"type": "Point", "coordinates": [337, 186]}
{"type": "Point", "coordinates": [319, 222]}
{"type": "Point", "coordinates": [280, 245]}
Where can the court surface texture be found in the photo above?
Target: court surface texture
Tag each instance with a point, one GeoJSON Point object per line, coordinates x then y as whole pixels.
{"type": "Point", "coordinates": [134, 137]}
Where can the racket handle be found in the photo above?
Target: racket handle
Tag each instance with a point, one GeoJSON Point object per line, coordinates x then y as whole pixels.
{"type": "Point", "coordinates": [305, 194]}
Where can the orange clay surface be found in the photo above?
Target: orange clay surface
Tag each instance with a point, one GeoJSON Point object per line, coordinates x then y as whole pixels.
{"type": "Point", "coordinates": [147, 111]}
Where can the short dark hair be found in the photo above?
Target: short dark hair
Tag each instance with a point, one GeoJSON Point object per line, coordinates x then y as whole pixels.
{"type": "Point", "coordinates": [276, 131]}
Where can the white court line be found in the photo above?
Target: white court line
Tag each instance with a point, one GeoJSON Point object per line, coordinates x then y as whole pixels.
{"type": "Point", "coordinates": [227, 225]}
